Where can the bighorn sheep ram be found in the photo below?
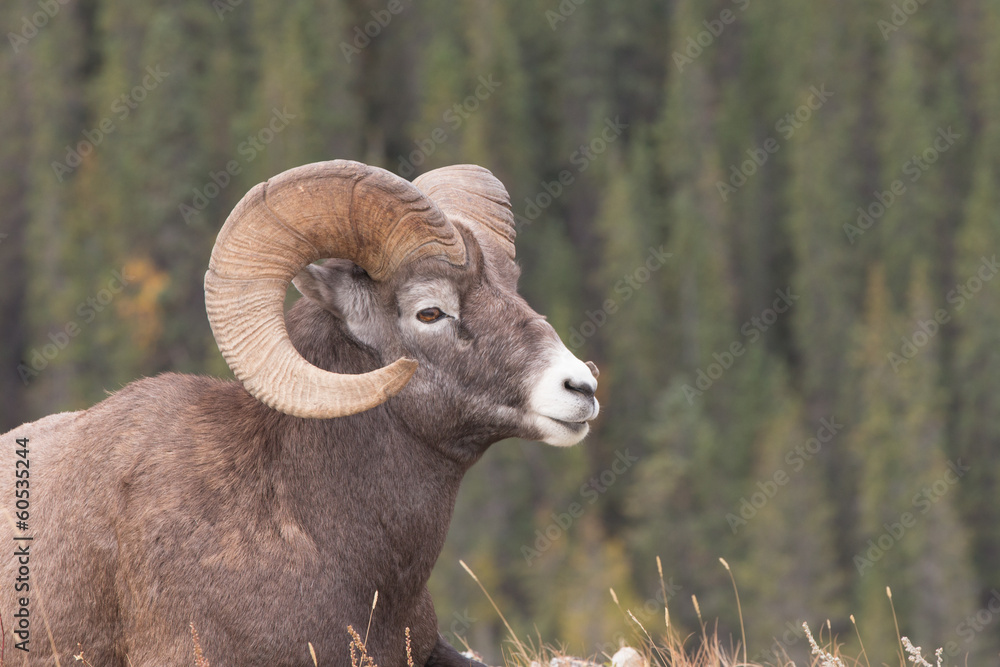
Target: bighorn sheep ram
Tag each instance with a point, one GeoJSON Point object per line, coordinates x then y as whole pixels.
{"type": "Point", "coordinates": [268, 512]}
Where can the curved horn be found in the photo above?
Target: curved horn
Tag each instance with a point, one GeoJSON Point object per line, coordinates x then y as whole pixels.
{"type": "Point", "coordinates": [473, 196]}
{"type": "Point", "coordinates": [337, 209]}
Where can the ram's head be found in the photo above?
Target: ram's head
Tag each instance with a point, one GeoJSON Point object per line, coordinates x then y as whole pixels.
{"type": "Point", "coordinates": [421, 281]}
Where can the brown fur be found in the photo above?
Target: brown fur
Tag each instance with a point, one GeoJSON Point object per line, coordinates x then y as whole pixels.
{"type": "Point", "coordinates": [181, 499]}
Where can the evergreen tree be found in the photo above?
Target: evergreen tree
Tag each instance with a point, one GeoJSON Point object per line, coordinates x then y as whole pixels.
{"type": "Point", "coordinates": [719, 372]}
{"type": "Point", "coordinates": [833, 165]}
{"type": "Point", "coordinates": [910, 538]}
{"type": "Point", "coordinates": [924, 146]}
{"type": "Point", "coordinates": [789, 572]}
{"type": "Point", "coordinates": [58, 62]}
{"type": "Point", "coordinates": [15, 155]}
{"type": "Point", "coordinates": [977, 319]}
{"type": "Point", "coordinates": [625, 132]}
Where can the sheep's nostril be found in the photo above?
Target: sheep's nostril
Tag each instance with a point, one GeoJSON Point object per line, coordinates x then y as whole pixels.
{"type": "Point", "coordinates": [593, 369]}
{"type": "Point", "coordinates": [585, 388]}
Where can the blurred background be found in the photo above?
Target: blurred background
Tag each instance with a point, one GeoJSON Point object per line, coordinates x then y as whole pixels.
{"type": "Point", "coordinates": [773, 225]}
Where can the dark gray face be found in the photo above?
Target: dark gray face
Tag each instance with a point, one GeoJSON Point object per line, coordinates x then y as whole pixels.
{"type": "Point", "coordinates": [490, 367]}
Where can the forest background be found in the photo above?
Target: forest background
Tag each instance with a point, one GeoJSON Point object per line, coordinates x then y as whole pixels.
{"type": "Point", "coordinates": [773, 225]}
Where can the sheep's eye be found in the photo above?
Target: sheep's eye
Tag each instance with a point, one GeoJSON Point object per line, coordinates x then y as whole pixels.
{"type": "Point", "coordinates": [428, 315]}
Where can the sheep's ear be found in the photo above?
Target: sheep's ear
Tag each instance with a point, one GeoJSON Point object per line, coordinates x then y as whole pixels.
{"type": "Point", "coordinates": [309, 282]}
{"type": "Point", "coordinates": [317, 283]}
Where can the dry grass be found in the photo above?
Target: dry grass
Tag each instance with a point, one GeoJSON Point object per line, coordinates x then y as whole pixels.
{"type": "Point", "coordinates": [668, 649]}
{"type": "Point", "coordinates": [671, 649]}
{"type": "Point", "coordinates": [199, 656]}
{"type": "Point", "coordinates": [704, 649]}
{"type": "Point", "coordinates": [359, 652]}
{"type": "Point", "coordinates": [79, 656]}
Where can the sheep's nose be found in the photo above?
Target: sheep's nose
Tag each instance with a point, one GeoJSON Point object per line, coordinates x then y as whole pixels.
{"type": "Point", "coordinates": [585, 387]}
{"type": "Point", "coordinates": [593, 369]}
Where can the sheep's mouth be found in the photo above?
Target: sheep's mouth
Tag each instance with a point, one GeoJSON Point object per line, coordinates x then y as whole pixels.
{"type": "Point", "coordinates": [574, 426]}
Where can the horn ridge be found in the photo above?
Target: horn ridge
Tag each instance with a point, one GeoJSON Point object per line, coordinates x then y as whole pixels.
{"type": "Point", "coordinates": [339, 209]}
{"type": "Point", "coordinates": [472, 195]}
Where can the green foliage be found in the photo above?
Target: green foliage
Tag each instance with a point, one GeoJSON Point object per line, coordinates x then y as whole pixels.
{"type": "Point", "coordinates": [908, 536]}
{"type": "Point", "coordinates": [749, 135]}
